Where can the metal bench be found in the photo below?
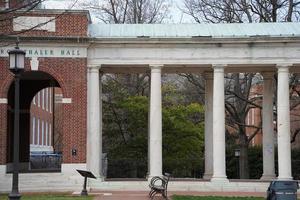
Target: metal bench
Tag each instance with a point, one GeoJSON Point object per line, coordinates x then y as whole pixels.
{"type": "Point", "coordinates": [159, 185]}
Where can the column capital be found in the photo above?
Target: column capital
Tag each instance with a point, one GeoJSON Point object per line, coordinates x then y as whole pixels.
{"type": "Point", "coordinates": [283, 67]}
{"type": "Point", "coordinates": [156, 68]}
{"type": "Point", "coordinates": [219, 67]}
{"type": "Point", "coordinates": [267, 75]}
{"type": "Point", "coordinates": [93, 68]}
{"type": "Point", "coordinates": [208, 75]}
{"type": "Point", "coordinates": [89, 66]}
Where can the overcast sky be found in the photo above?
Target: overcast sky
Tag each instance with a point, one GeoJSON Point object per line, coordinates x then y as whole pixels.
{"type": "Point", "coordinates": [177, 15]}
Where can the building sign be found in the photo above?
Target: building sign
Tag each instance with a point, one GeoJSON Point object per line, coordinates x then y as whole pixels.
{"type": "Point", "coordinates": [60, 52]}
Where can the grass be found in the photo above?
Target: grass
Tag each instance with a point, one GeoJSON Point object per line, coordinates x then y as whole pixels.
{"type": "Point", "coordinates": [214, 198]}
{"type": "Point", "coordinates": [49, 197]}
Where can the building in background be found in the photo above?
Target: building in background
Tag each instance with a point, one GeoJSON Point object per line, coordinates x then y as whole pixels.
{"type": "Point", "coordinates": [254, 117]}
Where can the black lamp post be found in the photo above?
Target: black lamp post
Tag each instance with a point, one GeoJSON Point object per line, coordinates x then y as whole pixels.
{"type": "Point", "coordinates": [237, 154]}
{"type": "Point", "coordinates": [16, 65]}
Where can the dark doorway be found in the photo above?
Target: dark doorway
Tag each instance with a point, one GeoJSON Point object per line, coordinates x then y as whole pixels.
{"type": "Point", "coordinates": [32, 84]}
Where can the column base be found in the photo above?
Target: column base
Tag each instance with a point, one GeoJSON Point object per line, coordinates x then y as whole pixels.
{"type": "Point", "coordinates": [284, 178]}
{"type": "Point", "coordinates": [219, 179]}
{"type": "Point", "coordinates": [268, 177]}
{"type": "Point", "coordinates": [71, 168]}
{"type": "Point", "coordinates": [151, 176]}
{"type": "Point", "coordinates": [207, 176]}
{"type": "Point", "coordinates": [2, 169]}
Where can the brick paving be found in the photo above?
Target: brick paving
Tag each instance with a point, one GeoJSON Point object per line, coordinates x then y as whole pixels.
{"type": "Point", "coordinates": [133, 195]}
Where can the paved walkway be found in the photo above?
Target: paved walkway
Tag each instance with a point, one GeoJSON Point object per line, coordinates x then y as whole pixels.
{"type": "Point", "coordinates": [107, 195]}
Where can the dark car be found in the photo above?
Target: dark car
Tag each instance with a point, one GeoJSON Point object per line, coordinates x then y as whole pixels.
{"type": "Point", "coordinates": [282, 190]}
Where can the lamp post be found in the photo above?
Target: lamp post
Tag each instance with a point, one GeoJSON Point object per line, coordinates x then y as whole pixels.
{"type": "Point", "coordinates": [237, 153]}
{"type": "Point", "coordinates": [16, 65]}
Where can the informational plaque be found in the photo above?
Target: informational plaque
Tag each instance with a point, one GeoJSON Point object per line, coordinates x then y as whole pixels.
{"type": "Point", "coordinates": [85, 174]}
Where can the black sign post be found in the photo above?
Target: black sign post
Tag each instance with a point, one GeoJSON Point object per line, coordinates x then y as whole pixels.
{"type": "Point", "coordinates": [85, 174]}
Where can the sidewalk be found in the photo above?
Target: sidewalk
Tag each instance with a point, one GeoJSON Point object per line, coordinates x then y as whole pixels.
{"type": "Point", "coordinates": [133, 195]}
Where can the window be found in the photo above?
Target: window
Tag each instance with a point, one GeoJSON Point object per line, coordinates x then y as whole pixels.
{"type": "Point", "coordinates": [42, 133]}
{"type": "Point", "coordinates": [38, 132]}
{"type": "Point", "coordinates": [46, 134]}
{"type": "Point", "coordinates": [33, 130]}
{"type": "Point", "coordinates": [39, 99]}
{"type": "Point", "coordinates": [50, 135]}
{"type": "Point", "coordinates": [47, 99]}
{"type": "Point", "coordinates": [43, 99]}
{"type": "Point", "coordinates": [50, 101]}
{"type": "Point", "coordinates": [34, 100]}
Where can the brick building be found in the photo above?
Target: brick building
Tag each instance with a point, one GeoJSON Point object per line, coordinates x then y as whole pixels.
{"type": "Point", "coordinates": [254, 115]}
{"type": "Point", "coordinates": [45, 120]}
{"type": "Point", "coordinates": [58, 60]}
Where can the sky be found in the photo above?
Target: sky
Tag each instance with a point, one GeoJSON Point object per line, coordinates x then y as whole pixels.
{"type": "Point", "coordinates": [177, 15]}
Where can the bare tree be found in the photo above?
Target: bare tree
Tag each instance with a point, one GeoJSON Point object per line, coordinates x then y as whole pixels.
{"type": "Point", "coordinates": [129, 11]}
{"type": "Point", "coordinates": [215, 11]}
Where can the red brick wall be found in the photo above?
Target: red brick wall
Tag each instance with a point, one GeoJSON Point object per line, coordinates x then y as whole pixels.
{"type": "Point", "coordinates": [67, 24]}
{"type": "Point", "coordinates": [71, 75]}
{"type": "Point", "coordinates": [2, 3]}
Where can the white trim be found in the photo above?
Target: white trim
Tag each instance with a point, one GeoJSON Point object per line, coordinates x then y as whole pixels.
{"type": "Point", "coordinates": [39, 99]}
{"type": "Point", "coordinates": [47, 98]}
{"type": "Point", "coordinates": [50, 102]}
{"type": "Point", "coordinates": [33, 130]}
{"type": "Point", "coordinates": [38, 131]}
{"type": "Point", "coordinates": [43, 133]}
{"type": "Point", "coordinates": [6, 4]}
{"type": "Point", "coordinates": [37, 23]}
{"type": "Point", "coordinates": [71, 168]}
{"type": "Point", "coordinates": [48, 51]}
{"type": "Point", "coordinates": [46, 133]}
{"type": "Point", "coordinates": [67, 100]}
{"type": "Point", "coordinates": [50, 134]}
{"type": "Point", "coordinates": [3, 101]}
{"type": "Point", "coordinates": [43, 99]}
{"type": "Point", "coordinates": [40, 148]}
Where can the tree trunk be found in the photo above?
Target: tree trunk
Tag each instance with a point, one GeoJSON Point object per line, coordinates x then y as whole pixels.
{"type": "Point", "coordinates": [243, 162]}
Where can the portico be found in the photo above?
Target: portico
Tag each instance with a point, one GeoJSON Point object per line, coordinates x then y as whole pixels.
{"type": "Point", "coordinates": [139, 48]}
{"type": "Point", "coordinates": [210, 50]}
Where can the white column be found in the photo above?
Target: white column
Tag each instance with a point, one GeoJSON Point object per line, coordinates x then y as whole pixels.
{"type": "Point", "coordinates": [155, 122]}
{"type": "Point", "coordinates": [268, 128]}
{"type": "Point", "coordinates": [94, 123]}
{"type": "Point", "coordinates": [208, 126]}
{"type": "Point", "coordinates": [283, 124]}
{"type": "Point", "coordinates": [219, 151]}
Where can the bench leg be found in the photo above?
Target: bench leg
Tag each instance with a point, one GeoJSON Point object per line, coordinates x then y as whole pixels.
{"type": "Point", "coordinates": [151, 193]}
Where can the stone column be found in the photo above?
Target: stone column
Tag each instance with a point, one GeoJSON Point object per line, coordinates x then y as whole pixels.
{"type": "Point", "coordinates": [283, 124]}
{"type": "Point", "coordinates": [208, 126]}
{"type": "Point", "coordinates": [219, 151]}
{"type": "Point", "coordinates": [268, 128]}
{"type": "Point", "coordinates": [155, 150]}
{"type": "Point", "coordinates": [94, 122]}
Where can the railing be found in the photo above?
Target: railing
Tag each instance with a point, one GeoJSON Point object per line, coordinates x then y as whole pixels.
{"type": "Point", "coordinates": [130, 168]}
{"type": "Point", "coordinates": [46, 161]}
